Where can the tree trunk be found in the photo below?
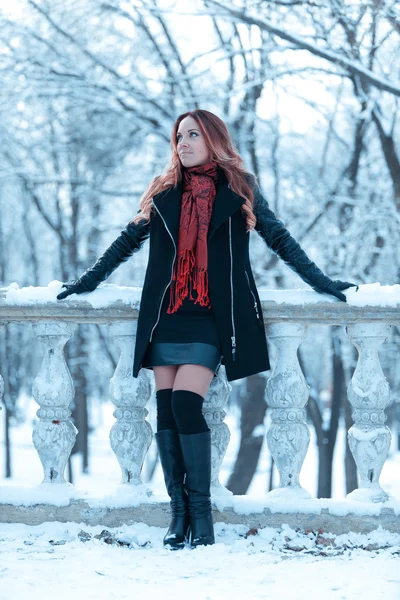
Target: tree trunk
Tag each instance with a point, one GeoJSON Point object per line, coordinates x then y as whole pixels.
{"type": "Point", "coordinates": [349, 463]}
{"type": "Point", "coordinates": [253, 411]}
{"type": "Point", "coordinates": [79, 366]}
{"type": "Point", "coordinates": [390, 155]}
{"type": "Point", "coordinates": [338, 397]}
{"type": "Point", "coordinates": [4, 373]}
{"type": "Point", "coordinates": [323, 475]}
{"type": "Point", "coordinates": [7, 463]}
{"type": "Point", "coordinates": [326, 437]}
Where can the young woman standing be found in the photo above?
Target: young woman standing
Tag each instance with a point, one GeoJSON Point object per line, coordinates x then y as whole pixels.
{"type": "Point", "coordinates": [199, 307]}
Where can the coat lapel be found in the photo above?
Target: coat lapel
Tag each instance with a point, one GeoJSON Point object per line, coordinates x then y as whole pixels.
{"type": "Point", "coordinates": [168, 204]}
{"type": "Point", "coordinates": [226, 203]}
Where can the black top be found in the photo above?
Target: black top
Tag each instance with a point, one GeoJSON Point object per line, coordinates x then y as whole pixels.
{"type": "Point", "coordinates": [190, 323]}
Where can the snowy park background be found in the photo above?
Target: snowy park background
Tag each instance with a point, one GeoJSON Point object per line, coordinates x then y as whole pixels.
{"type": "Point", "coordinates": [90, 89]}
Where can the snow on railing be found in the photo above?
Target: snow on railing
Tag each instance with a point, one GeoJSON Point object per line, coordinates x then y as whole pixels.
{"type": "Point", "coordinates": [368, 316]}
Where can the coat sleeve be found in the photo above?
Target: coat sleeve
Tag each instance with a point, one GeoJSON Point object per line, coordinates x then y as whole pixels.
{"type": "Point", "coordinates": [279, 240]}
{"type": "Point", "coordinates": [130, 240]}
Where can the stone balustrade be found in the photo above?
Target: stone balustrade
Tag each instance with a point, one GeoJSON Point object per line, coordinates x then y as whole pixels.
{"type": "Point", "coordinates": [287, 394]}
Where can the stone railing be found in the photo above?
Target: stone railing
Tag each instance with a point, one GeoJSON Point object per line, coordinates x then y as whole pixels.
{"type": "Point", "coordinates": [287, 394]}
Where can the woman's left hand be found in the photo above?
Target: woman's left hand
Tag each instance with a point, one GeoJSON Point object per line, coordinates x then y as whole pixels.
{"type": "Point", "coordinates": [336, 287]}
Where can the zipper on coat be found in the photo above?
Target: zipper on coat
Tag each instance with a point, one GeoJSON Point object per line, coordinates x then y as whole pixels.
{"type": "Point", "coordinates": [233, 337]}
{"type": "Point", "coordinates": [254, 298]}
{"type": "Point", "coordinates": [172, 270]}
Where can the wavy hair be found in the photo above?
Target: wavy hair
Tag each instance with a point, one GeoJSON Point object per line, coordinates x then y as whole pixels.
{"type": "Point", "coordinates": [222, 152]}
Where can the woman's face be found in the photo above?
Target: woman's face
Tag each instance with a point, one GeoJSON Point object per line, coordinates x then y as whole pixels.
{"type": "Point", "coordinates": [191, 144]}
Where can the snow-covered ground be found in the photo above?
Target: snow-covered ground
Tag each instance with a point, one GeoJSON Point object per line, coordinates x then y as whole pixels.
{"type": "Point", "coordinates": [69, 561]}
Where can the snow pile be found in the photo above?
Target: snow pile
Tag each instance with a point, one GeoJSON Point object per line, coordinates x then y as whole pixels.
{"type": "Point", "coordinates": [280, 500]}
{"type": "Point", "coordinates": [286, 500]}
{"type": "Point", "coordinates": [44, 493]}
{"type": "Point", "coordinates": [95, 563]}
{"type": "Point", "coordinates": [103, 296]}
{"type": "Point", "coordinates": [371, 294]}
{"type": "Point", "coordinates": [61, 494]}
{"type": "Point", "coordinates": [374, 294]}
{"type": "Point", "coordinates": [237, 538]}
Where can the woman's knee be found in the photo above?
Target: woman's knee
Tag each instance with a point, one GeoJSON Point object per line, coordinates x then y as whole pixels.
{"type": "Point", "coordinates": [194, 378]}
{"type": "Point", "coordinates": [187, 409]}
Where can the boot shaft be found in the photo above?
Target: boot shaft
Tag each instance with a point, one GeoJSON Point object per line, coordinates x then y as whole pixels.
{"type": "Point", "coordinates": [196, 453]}
{"type": "Point", "coordinates": [170, 453]}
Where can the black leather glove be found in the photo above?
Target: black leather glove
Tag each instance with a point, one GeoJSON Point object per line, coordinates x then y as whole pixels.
{"type": "Point", "coordinates": [73, 287]}
{"type": "Point", "coordinates": [336, 287]}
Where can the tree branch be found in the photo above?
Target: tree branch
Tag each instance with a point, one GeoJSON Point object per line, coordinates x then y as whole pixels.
{"type": "Point", "coordinates": [352, 66]}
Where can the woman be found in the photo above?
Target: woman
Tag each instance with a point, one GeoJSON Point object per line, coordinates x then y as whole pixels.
{"type": "Point", "coordinates": [199, 305]}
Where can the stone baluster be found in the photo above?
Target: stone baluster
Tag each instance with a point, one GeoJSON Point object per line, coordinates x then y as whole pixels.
{"type": "Point", "coordinates": [131, 435]}
{"type": "Point", "coordinates": [213, 410]}
{"type": "Point", "coordinates": [287, 392]}
{"type": "Point", "coordinates": [54, 434]}
{"type": "Point", "coordinates": [1, 379]}
{"type": "Point", "coordinates": [369, 394]}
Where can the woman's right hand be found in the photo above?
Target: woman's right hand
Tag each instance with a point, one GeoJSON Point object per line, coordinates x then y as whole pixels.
{"type": "Point", "coordinates": [72, 287]}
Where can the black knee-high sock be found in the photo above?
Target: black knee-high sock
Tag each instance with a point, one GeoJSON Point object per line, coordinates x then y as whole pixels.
{"type": "Point", "coordinates": [187, 410]}
{"type": "Point", "coordinates": [165, 416]}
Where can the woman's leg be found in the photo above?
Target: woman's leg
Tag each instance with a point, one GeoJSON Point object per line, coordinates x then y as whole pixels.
{"type": "Point", "coordinates": [190, 388]}
{"type": "Point", "coordinates": [189, 378]}
{"type": "Point", "coordinates": [171, 459]}
{"type": "Point", "coordinates": [195, 378]}
{"type": "Point", "coordinates": [164, 378]}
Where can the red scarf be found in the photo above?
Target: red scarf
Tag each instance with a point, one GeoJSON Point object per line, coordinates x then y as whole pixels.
{"type": "Point", "coordinates": [190, 271]}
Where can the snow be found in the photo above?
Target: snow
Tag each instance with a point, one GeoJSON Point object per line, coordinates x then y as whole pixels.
{"type": "Point", "coordinates": [72, 560]}
{"type": "Point", "coordinates": [375, 294]}
{"type": "Point", "coordinates": [280, 500]}
{"type": "Point", "coordinates": [103, 296]}
{"type": "Point", "coordinates": [371, 294]}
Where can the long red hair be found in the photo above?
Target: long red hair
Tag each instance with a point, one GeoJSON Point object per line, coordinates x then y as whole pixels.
{"type": "Point", "coordinates": [222, 151]}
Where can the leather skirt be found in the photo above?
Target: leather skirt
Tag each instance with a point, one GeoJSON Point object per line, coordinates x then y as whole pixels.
{"type": "Point", "coordinates": [182, 353]}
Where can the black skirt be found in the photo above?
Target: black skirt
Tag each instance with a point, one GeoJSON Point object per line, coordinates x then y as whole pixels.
{"type": "Point", "coordinates": [188, 336]}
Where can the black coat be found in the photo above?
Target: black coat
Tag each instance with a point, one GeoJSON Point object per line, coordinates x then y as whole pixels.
{"type": "Point", "coordinates": [233, 293]}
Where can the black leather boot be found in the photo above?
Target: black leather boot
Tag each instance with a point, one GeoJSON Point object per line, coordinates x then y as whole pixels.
{"type": "Point", "coordinates": [170, 452]}
{"type": "Point", "coordinates": [196, 451]}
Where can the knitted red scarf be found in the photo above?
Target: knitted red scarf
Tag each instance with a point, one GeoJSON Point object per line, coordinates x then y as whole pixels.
{"type": "Point", "coordinates": [190, 271]}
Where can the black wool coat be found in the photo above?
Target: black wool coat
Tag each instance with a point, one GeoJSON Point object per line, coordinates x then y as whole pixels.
{"type": "Point", "coordinates": [232, 290]}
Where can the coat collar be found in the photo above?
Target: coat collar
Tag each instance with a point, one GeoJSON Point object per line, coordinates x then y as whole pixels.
{"type": "Point", "coordinates": [168, 204]}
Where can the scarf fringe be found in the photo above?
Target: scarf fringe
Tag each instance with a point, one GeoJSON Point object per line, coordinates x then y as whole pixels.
{"type": "Point", "coordinates": [188, 278]}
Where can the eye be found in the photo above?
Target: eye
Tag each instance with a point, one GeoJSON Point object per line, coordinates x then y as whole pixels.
{"type": "Point", "coordinates": [192, 134]}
